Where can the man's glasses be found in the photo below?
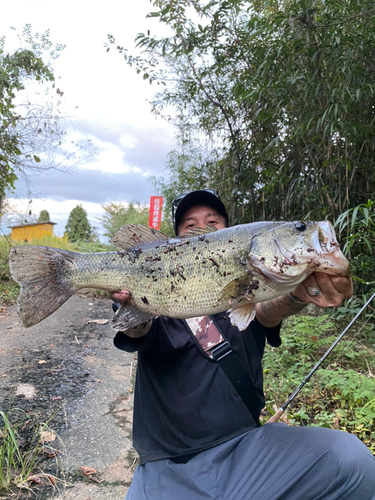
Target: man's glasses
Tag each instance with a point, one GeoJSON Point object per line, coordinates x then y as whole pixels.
{"type": "Point", "coordinates": [178, 200]}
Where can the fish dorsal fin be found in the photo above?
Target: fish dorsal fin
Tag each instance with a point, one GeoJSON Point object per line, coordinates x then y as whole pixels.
{"type": "Point", "coordinates": [135, 235]}
{"type": "Point", "coordinates": [198, 231]}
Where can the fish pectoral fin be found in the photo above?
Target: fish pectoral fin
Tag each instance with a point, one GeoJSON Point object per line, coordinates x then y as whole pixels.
{"type": "Point", "coordinates": [135, 235]}
{"type": "Point", "coordinates": [130, 316]}
{"type": "Point", "coordinates": [242, 316]}
{"type": "Point", "coordinates": [238, 287]}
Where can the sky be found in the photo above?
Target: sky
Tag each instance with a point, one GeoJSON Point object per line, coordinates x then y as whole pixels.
{"type": "Point", "coordinates": [106, 102]}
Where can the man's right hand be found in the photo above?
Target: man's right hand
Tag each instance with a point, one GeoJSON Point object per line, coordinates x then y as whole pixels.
{"type": "Point", "coordinates": [121, 296]}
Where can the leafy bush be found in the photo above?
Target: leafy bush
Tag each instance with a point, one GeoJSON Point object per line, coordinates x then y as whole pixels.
{"type": "Point", "coordinates": [91, 247]}
{"type": "Point", "coordinates": [44, 216]}
{"type": "Point", "coordinates": [117, 215]}
{"type": "Point", "coordinates": [357, 227]}
{"type": "Point", "coordinates": [353, 395]}
{"type": "Point", "coordinates": [8, 288]}
{"type": "Point", "coordinates": [340, 395]}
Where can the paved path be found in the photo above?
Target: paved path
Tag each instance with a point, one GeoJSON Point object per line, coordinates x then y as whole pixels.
{"type": "Point", "coordinates": [67, 367]}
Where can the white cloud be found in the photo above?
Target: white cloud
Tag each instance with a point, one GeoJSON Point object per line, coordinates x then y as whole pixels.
{"type": "Point", "coordinates": [128, 141]}
{"type": "Point", "coordinates": [109, 159]}
{"type": "Point", "coordinates": [112, 104]}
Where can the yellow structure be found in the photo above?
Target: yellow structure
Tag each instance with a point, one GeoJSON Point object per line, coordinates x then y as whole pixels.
{"type": "Point", "coordinates": [30, 232]}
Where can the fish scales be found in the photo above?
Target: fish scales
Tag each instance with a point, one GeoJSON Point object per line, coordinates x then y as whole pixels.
{"type": "Point", "coordinates": [204, 273]}
{"type": "Point", "coordinates": [190, 276]}
{"type": "Point", "coordinates": [172, 278]}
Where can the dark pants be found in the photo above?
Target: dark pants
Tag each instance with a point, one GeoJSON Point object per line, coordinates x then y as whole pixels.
{"type": "Point", "coordinates": [273, 462]}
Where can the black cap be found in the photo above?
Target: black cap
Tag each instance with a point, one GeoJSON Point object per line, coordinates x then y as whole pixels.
{"type": "Point", "coordinates": [209, 198]}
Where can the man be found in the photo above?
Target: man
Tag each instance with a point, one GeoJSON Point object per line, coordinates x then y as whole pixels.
{"type": "Point", "coordinates": [196, 434]}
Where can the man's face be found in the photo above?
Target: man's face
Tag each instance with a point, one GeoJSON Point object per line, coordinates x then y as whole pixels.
{"type": "Point", "coordinates": [199, 216]}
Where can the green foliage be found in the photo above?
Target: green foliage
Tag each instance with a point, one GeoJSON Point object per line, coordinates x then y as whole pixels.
{"type": "Point", "coordinates": [9, 290]}
{"type": "Point", "coordinates": [283, 92]}
{"type": "Point", "coordinates": [191, 169]}
{"type": "Point", "coordinates": [44, 216]}
{"type": "Point", "coordinates": [360, 225]}
{"type": "Point", "coordinates": [19, 462]}
{"type": "Point", "coordinates": [31, 124]}
{"type": "Point", "coordinates": [340, 395]}
{"type": "Point", "coordinates": [117, 215]}
{"type": "Point", "coordinates": [357, 228]}
{"type": "Point", "coordinates": [90, 247]}
{"type": "Point", "coordinates": [15, 70]}
{"type": "Point", "coordinates": [78, 227]}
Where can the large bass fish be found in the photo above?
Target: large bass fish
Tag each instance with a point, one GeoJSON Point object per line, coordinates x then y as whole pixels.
{"type": "Point", "coordinates": [202, 273]}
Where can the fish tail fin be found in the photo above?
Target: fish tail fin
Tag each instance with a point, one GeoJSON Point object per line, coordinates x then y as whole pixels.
{"type": "Point", "coordinates": [45, 283]}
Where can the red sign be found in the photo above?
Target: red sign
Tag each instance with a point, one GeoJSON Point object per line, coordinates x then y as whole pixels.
{"type": "Point", "coordinates": [156, 205]}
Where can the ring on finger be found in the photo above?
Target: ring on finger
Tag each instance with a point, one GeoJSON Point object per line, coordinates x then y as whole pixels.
{"type": "Point", "coordinates": [313, 290]}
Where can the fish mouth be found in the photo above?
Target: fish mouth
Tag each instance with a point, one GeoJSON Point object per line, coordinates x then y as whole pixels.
{"type": "Point", "coordinates": [331, 259]}
{"type": "Point", "coordinates": [324, 239]}
{"type": "Point", "coordinates": [325, 253]}
{"type": "Point", "coordinates": [316, 251]}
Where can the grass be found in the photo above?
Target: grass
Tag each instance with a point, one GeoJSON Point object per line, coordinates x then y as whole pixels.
{"type": "Point", "coordinates": [23, 468]}
{"type": "Point", "coordinates": [16, 466]}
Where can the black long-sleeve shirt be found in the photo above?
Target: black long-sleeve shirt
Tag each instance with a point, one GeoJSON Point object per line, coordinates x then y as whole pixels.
{"type": "Point", "coordinates": [184, 403]}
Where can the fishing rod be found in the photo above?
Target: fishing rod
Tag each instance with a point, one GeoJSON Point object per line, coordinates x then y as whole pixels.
{"type": "Point", "coordinates": [282, 409]}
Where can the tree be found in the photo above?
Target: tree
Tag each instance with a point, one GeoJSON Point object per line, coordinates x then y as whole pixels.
{"type": "Point", "coordinates": [78, 227]}
{"type": "Point", "coordinates": [44, 216]}
{"type": "Point", "coordinates": [283, 90]}
{"type": "Point", "coordinates": [117, 215]}
{"type": "Point", "coordinates": [195, 166]}
{"type": "Point", "coordinates": [31, 132]}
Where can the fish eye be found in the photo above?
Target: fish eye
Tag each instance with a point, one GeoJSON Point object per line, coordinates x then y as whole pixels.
{"type": "Point", "coordinates": [300, 226]}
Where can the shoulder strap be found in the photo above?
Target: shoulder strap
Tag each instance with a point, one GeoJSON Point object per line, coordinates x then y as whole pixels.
{"type": "Point", "coordinates": [214, 344]}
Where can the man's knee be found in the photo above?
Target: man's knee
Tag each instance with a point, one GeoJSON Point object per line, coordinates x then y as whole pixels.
{"type": "Point", "coordinates": [353, 467]}
{"type": "Point", "coordinates": [340, 464]}
{"type": "Point", "coordinates": [349, 449]}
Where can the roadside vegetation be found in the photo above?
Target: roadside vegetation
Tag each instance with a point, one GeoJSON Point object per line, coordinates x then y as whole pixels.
{"type": "Point", "coordinates": [8, 288]}
{"type": "Point", "coordinates": [20, 467]}
{"type": "Point", "coordinates": [23, 462]}
{"type": "Point", "coordinates": [341, 394]}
